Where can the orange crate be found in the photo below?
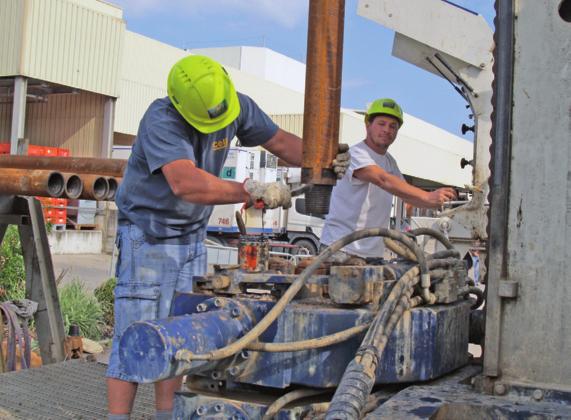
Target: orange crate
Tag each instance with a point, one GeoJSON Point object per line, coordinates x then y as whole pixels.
{"type": "Point", "coordinates": [62, 152]}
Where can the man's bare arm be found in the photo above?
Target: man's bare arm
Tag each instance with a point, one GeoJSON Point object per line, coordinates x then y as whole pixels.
{"type": "Point", "coordinates": [286, 146]}
{"type": "Point", "coordinates": [198, 186]}
{"type": "Point", "coordinates": [399, 187]}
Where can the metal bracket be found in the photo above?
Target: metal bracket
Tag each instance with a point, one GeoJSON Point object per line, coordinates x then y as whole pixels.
{"type": "Point", "coordinates": [508, 289]}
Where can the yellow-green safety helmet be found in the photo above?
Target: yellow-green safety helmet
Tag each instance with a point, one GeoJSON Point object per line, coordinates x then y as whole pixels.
{"type": "Point", "coordinates": [385, 106]}
{"type": "Point", "coordinates": [202, 92]}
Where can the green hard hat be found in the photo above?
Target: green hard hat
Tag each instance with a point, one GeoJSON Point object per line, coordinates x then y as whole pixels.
{"type": "Point", "coordinates": [202, 92]}
{"type": "Point", "coordinates": [385, 106]}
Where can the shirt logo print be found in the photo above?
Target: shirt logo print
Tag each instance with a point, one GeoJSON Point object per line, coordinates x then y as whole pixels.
{"type": "Point", "coordinates": [220, 144]}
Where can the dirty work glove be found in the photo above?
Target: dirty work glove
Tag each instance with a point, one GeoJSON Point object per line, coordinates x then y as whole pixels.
{"type": "Point", "coordinates": [267, 195]}
{"type": "Point", "coordinates": [342, 160]}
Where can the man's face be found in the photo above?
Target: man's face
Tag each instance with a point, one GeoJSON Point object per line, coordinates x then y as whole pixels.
{"type": "Point", "coordinates": [381, 132]}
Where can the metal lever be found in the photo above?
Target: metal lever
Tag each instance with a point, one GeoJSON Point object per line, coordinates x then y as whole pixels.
{"type": "Point", "coordinates": [465, 128]}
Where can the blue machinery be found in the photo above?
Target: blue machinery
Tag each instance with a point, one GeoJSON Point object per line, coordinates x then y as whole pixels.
{"type": "Point", "coordinates": [245, 339]}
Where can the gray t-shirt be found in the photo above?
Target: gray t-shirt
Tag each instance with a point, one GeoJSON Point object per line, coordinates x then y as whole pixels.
{"type": "Point", "coordinates": [145, 198]}
{"type": "Point", "coordinates": [357, 204]}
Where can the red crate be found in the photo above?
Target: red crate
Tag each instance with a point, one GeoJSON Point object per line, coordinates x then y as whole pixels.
{"type": "Point", "coordinates": [50, 151]}
{"type": "Point", "coordinates": [4, 148]}
{"type": "Point", "coordinates": [34, 150]}
{"type": "Point", "coordinates": [63, 152]}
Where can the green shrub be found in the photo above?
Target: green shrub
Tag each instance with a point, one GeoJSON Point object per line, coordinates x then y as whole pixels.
{"type": "Point", "coordinates": [12, 272]}
{"type": "Point", "coordinates": [80, 308]}
{"type": "Point", "coordinates": [105, 297]}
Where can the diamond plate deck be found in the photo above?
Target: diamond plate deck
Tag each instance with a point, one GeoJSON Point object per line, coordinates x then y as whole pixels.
{"type": "Point", "coordinates": [70, 390]}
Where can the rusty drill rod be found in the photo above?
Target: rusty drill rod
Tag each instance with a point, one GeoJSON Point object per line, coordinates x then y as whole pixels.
{"type": "Point", "coordinates": [73, 185]}
{"type": "Point", "coordinates": [99, 166]}
{"type": "Point", "coordinates": [322, 100]}
{"type": "Point", "coordinates": [36, 182]}
{"type": "Point", "coordinates": [95, 187]}
{"type": "Point", "coordinates": [113, 185]}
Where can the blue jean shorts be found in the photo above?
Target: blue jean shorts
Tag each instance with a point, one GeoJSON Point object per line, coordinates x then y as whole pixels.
{"type": "Point", "coordinates": [148, 273]}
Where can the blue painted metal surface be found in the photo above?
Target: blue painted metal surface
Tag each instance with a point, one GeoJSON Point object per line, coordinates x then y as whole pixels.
{"type": "Point", "coordinates": [147, 349]}
{"type": "Point", "coordinates": [427, 343]}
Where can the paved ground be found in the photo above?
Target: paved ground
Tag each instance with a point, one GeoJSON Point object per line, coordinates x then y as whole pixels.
{"type": "Point", "coordinates": [91, 269]}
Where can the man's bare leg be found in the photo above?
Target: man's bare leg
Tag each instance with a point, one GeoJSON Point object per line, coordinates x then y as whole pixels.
{"type": "Point", "coordinates": [164, 393]}
{"type": "Point", "coordinates": [120, 396]}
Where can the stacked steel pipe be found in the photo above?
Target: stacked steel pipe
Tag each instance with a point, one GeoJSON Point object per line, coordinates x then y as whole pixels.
{"type": "Point", "coordinates": [85, 178]}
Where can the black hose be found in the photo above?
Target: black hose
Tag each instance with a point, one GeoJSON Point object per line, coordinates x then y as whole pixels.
{"type": "Point", "coordinates": [434, 233]}
{"type": "Point", "coordinates": [445, 253]}
{"type": "Point", "coordinates": [296, 286]}
{"type": "Point", "coordinates": [359, 378]}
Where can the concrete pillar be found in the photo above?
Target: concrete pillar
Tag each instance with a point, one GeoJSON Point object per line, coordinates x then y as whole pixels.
{"type": "Point", "coordinates": [108, 128]}
{"type": "Point", "coordinates": [18, 113]}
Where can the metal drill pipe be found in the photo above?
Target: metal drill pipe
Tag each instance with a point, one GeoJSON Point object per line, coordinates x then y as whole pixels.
{"type": "Point", "coordinates": [95, 187]}
{"type": "Point", "coordinates": [113, 185]}
{"type": "Point", "coordinates": [99, 166]}
{"type": "Point", "coordinates": [322, 97]}
{"type": "Point", "coordinates": [73, 185]}
{"type": "Point", "coordinates": [35, 182]}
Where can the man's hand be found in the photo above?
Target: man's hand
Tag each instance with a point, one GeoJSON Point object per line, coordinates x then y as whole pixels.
{"type": "Point", "coordinates": [438, 197]}
{"type": "Point", "coordinates": [268, 195]}
{"type": "Point", "coordinates": [342, 160]}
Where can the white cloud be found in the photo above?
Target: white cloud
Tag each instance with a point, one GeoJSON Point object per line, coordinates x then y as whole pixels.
{"type": "Point", "coordinates": [287, 14]}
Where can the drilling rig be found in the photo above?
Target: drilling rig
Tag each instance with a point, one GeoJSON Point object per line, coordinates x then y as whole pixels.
{"type": "Point", "coordinates": [389, 339]}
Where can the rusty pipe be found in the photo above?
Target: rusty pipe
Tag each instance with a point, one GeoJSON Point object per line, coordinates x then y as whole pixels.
{"type": "Point", "coordinates": [99, 166]}
{"type": "Point", "coordinates": [113, 185]}
{"type": "Point", "coordinates": [36, 182]}
{"type": "Point", "coordinates": [73, 185]}
{"type": "Point", "coordinates": [322, 100]}
{"type": "Point", "coordinates": [95, 187]}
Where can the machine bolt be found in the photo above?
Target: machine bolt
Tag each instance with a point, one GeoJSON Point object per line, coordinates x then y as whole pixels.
{"type": "Point", "coordinates": [500, 389]}
{"type": "Point", "coordinates": [201, 410]}
{"type": "Point", "coordinates": [235, 313]}
{"type": "Point", "coordinates": [537, 395]}
{"type": "Point", "coordinates": [218, 302]}
{"type": "Point", "coordinates": [233, 371]}
{"type": "Point", "coordinates": [244, 354]}
{"type": "Point", "coordinates": [215, 375]}
{"type": "Point", "coordinates": [201, 307]}
{"type": "Point", "coordinates": [218, 407]}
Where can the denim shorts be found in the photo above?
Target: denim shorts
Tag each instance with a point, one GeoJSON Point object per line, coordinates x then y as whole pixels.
{"type": "Point", "coordinates": [148, 273]}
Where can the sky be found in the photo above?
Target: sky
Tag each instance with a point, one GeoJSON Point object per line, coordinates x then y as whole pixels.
{"type": "Point", "coordinates": [369, 69]}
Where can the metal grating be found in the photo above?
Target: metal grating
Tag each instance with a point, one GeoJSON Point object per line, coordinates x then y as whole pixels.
{"type": "Point", "coordinates": [70, 390]}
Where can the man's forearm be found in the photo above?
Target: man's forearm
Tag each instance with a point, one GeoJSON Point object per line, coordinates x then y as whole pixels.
{"type": "Point", "coordinates": [212, 190]}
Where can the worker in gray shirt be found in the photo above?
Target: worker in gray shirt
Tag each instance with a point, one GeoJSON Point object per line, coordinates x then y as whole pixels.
{"type": "Point", "coordinates": [165, 200]}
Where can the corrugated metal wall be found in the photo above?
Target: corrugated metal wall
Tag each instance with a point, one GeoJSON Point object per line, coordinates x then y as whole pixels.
{"type": "Point", "coordinates": [290, 122]}
{"type": "Point", "coordinates": [68, 43]}
{"type": "Point", "coordinates": [11, 13]}
{"type": "Point", "coordinates": [72, 121]}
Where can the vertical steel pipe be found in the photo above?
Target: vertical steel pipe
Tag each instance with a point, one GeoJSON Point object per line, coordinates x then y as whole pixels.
{"type": "Point", "coordinates": [322, 100]}
{"type": "Point", "coordinates": [35, 182]}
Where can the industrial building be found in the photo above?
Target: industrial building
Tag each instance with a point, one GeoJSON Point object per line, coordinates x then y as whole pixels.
{"type": "Point", "coordinates": [72, 76]}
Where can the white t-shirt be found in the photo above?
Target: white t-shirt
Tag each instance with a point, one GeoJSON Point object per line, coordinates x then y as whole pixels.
{"type": "Point", "coordinates": [357, 204]}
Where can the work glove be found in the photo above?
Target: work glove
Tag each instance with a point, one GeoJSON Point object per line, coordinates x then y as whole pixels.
{"type": "Point", "coordinates": [267, 195]}
{"type": "Point", "coordinates": [342, 160]}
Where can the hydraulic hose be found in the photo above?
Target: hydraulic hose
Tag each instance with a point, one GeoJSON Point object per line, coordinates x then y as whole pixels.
{"type": "Point", "coordinates": [284, 400]}
{"type": "Point", "coordinates": [359, 378]}
{"type": "Point", "coordinates": [434, 233]}
{"type": "Point", "coordinates": [296, 286]}
{"type": "Point", "coordinates": [314, 343]}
